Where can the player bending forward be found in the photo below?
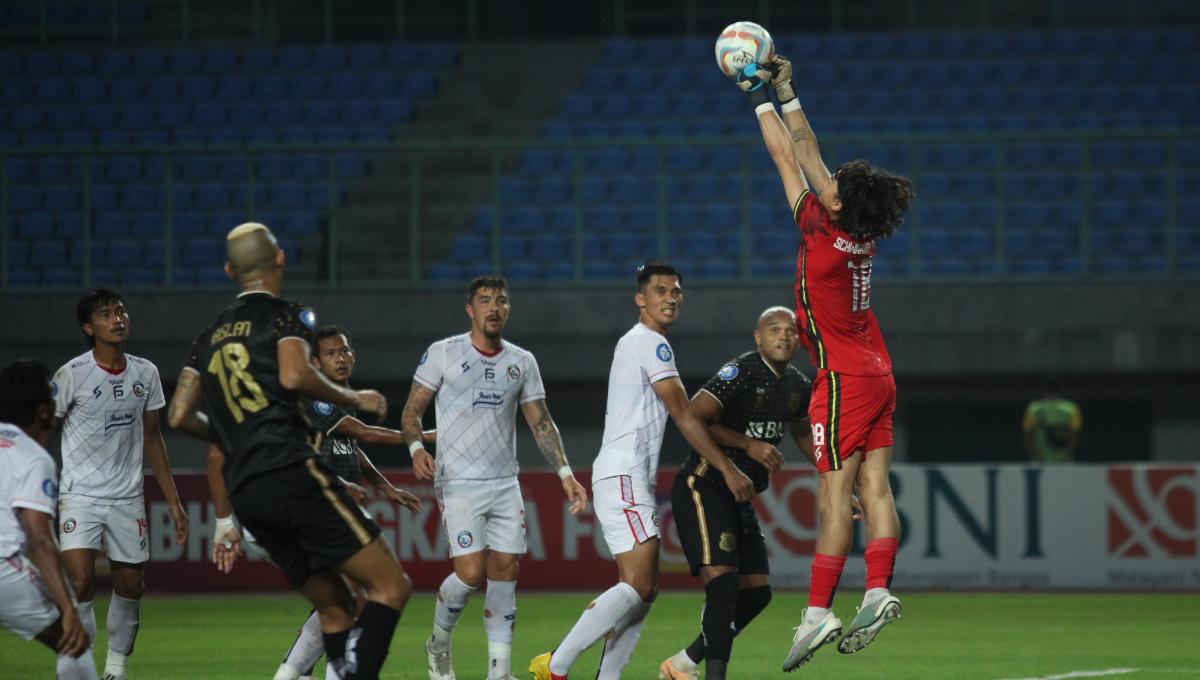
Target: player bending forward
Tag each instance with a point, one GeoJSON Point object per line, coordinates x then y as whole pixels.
{"type": "Point", "coordinates": [37, 602]}
{"type": "Point", "coordinates": [854, 395]}
{"type": "Point", "coordinates": [748, 406]}
{"type": "Point", "coordinates": [339, 431]}
{"type": "Point", "coordinates": [643, 389]}
{"type": "Point", "coordinates": [479, 380]}
{"type": "Point", "coordinates": [109, 403]}
{"type": "Point", "coordinates": [248, 367]}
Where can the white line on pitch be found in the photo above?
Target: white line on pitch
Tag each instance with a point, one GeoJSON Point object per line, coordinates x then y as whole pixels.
{"type": "Point", "coordinates": [1081, 674]}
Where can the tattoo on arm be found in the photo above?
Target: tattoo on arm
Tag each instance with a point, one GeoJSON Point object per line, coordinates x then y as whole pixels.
{"type": "Point", "coordinates": [801, 134]}
{"type": "Point", "coordinates": [547, 436]}
{"type": "Point", "coordinates": [184, 414]}
{"type": "Point", "coordinates": [414, 408]}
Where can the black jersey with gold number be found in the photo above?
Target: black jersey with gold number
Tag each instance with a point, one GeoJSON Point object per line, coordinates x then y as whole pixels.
{"type": "Point", "coordinates": [758, 402]}
{"type": "Point", "coordinates": [336, 451]}
{"type": "Point", "coordinates": [258, 424]}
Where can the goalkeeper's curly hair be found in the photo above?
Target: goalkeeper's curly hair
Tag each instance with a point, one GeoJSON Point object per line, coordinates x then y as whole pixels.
{"type": "Point", "coordinates": [873, 200]}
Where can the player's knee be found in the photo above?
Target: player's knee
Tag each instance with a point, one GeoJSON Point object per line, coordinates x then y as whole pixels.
{"type": "Point", "coordinates": [647, 590]}
{"type": "Point", "coordinates": [396, 591]}
{"type": "Point", "coordinates": [84, 587]}
{"type": "Point", "coordinates": [471, 574]}
{"type": "Point", "coordinates": [132, 590]}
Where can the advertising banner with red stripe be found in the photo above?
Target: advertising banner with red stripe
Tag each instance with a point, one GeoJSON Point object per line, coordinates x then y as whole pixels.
{"type": "Point", "coordinates": [965, 527]}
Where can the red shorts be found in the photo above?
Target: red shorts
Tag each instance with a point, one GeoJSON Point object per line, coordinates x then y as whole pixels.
{"type": "Point", "coordinates": [850, 413]}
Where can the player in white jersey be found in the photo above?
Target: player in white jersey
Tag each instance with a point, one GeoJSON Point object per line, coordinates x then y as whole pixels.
{"type": "Point", "coordinates": [643, 389]}
{"type": "Point", "coordinates": [480, 380]}
{"type": "Point", "coordinates": [37, 602]}
{"type": "Point", "coordinates": [109, 403]}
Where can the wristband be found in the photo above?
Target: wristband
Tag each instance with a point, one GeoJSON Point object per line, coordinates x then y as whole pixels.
{"type": "Point", "coordinates": [413, 447]}
{"type": "Point", "coordinates": [224, 524]}
{"type": "Point", "coordinates": [785, 92]}
{"type": "Point", "coordinates": [763, 108]}
{"type": "Point", "coordinates": [564, 472]}
{"type": "Point", "coordinates": [759, 97]}
{"type": "Point", "coordinates": [792, 104]}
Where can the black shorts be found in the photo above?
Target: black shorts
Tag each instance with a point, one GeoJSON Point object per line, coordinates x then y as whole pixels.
{"type": "Point", "coordinates": [303, 518]}
{"type": "Point", "coordinates": [716, 530]}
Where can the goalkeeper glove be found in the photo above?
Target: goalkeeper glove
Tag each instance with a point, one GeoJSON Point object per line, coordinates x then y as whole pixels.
{"type": "Point", "coordinates": [781, 78]}
{"type": "Point", "coordinates": [750, 80]}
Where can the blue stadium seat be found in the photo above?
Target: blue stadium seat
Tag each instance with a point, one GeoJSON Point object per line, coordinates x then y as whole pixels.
{"type": "Point", "coordinates": [190, 225]}
{"type": "Point", "coordinates": [145, 225]}
{"type": "Point", "coordinates": [444, 271]}
{"type": "Point", "coordinates": [558, 271]}
{"type": "Point", "coordinates": [561, 219]}
{"type": "Point", "coordinates": [34, 226]}
{"type": "Point", "coordinates": [549, 247]}
{"type": "Point", "coordinates": [110, 225]}
{"type": "Point", "coordinates": [304, 224]}
{"type": "Point", "coordinates": [602, 218]}
{"type": "Point", "coordinates": [47, 254]}
{"type": "Point", "coordinates": [595, 270]}
{"type": "Point", "coordinates": [511, 247]}
{"type": "Point", "coordinates": [550, 190]}
{"type": "Point", "coordinates": [523, 271]}
{"type": "Point", "coordinates": [468, 248]}
{"type": "Point", "coordinates": [515, 191]}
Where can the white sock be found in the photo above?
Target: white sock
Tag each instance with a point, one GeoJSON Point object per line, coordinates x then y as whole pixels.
{"type": "Point", "coordinates": [684, 662]}
{"type": "Point", "coordinates": [603, 615]}
{"type": "Point", "coordinates": [499, 620]}
{"type": "Point", "coordinates": [814, 615]}
{"type": "Point", "coordinates": [123, 614]}
{"type": "Point", "coordinates": [876, 593]}
{"type": "Point", "coordinates": [451, 601]}
{"type": "Point", "coordinates": [619, 649]}
{"type": "Point", "coordinates": [87, 614]}
{"type": "Point", "coordinates": [304, 652]}
{"type": "Point", "coordinates": [331, 672]}
{"type": "Point", "coordinates": [83, 668]}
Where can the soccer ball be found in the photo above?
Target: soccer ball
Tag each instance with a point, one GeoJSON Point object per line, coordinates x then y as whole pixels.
{"type": "Point", "coordinates": [741, 44]}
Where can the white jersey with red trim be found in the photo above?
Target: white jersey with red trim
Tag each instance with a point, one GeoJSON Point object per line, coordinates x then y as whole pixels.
{"type": "Point", "coordinates": [476, 404]}
{"type": "Point", "coordinates": [27, 480]}
{"type": "Point", "coordinates": [102, 436]}
{"type": "Point", "coordinates": [636, 419]}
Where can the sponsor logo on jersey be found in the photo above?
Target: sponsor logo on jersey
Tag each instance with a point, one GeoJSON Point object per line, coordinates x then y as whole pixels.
{"type": "Point", "coordinates": [514, 372]}
{"type": "Point", "coordinates": [465, 539]}
{"type": "Point", "coordinates": [49, 488]}
{"type": "Point", "coordinates": [115, 420]}
{"type": "Point", "coordinates": [728, 372]}
{"type": "Point", "coordinates": [68, 525]}
{"type": "Point", "coordinates": [309, 318]}
{"type": "Point", "coordinates": [765, 430]}
{"type": "Point", "coordinates": [1151, 513]}
{"type": "Point", "coordinates": [323, 407]}
{"type": "Point", "coordinates": [727, 543]}
{"type": "Point", "coordinates": [664, 352]}
{"type": "Point", "coordinates": [655, 518]}
{"type": "Point", "coordinates": [139, 390]}
{"type": "Point", "coordinates": [847, 246]}
{"type": "Point", "coordinates": [96, 393]}
{"type": "Point", "coordinates": [489, 398]}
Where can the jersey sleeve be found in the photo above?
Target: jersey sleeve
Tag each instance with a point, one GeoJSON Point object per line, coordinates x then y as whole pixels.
{"type": "Point", "coordinates": [324, 416]}
{"type": "Point", "coordinates": [429, 368]}
{"type": "Point", "coordinates": [532, 389]}
{"type": "Point", "coordinates": [62, 386]}
{"type": "Point", "coordinates": [154, 393]}
{"type": "Point", "coordinates": [192, 363]}
{"type": "Point", "coordinates": [296, 321]}
{"type": "Point", "coordinates": [809, 214]}
{"type": "Point", "coordinates": [727, 384]}
{"type": "Point", "coordinates": [657, 359]}
{"type": "Point", "coordinates": [37, 486]}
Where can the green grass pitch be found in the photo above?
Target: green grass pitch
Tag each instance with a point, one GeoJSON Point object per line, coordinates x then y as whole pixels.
{"type": "Point", "coordinates": [992, 636]}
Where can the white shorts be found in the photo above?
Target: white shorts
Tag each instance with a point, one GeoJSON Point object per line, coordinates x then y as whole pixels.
{"type": "Point", "coordinates": [120, 529]}
{"type": "Point", "coordinates": [627, 511]}
{"type": "Point", "coordinates": [27, 609]}
{"type": "Point", "coordinates": [479, 515]}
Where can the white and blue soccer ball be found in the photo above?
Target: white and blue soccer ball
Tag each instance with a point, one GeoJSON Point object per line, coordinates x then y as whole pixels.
{"type": "Point", "coordinates": [743, 44]}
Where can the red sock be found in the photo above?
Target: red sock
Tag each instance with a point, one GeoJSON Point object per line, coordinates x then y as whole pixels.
{"type": "Point", "coordinates": [881, 560]}
{"type": "Point", "coordinates": [826, 572]}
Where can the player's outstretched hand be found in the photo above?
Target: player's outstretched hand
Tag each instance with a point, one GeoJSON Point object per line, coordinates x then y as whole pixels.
{"type": "Point", "coordinates": [74, 640]}
{"type": "Point", "coordinates": [372, 402]}
{"type": "Point", "coordinates": [739, 484]}
{"type": "Point", "coordinates": [765, 454]}
{"type": "Point", "coordinates": [179, 518]}
{"type": "Point", "coordinates": [226, 549]}
{"type": "Point", "coordinates": [354, 491]}
{"type": "Point", "coordinates": [755, 82]}
{"type": "Point", "coordinates": [781, 70]}
{"type": "Point", "coordinates": [856, 509]}
{"type": "Point", "coordinates": [576, 494]}
{"type": "Point", "coordinates": [403, 498]}
{"type": "Point", "coordinates": [423, 466]}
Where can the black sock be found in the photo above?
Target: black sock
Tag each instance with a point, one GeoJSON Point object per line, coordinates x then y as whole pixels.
{"type": "Point", "coordinates": [750, 603]}
{"type": "Point", "coordinates": [714, 669]}
{"type": "Point", "coordinates": [335, 649]}
{"type": "Point", "coordinates": [367, 648]}
{"type": "Point", "coordinates": [720, 598]}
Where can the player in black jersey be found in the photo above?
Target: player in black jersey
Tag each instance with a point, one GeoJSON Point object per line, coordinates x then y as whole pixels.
{"type": "Point", "coordinates": [248, 368]}
{"type": "Point", "coordinates": [339, 432]}
{"type": "Point", "coordinates": [749, 404]}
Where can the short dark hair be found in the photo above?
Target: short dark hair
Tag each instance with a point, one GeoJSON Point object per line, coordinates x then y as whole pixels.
{"type": "Point", "coordinates": [655, 268]}
{"type": "Point", "coordinates": [95, 299]}
{"type": "Point", "coordinates": [24, 386]}
{"type": "Point", "coordinates": [486, 281]}
{"type": "Point", "coordinates": [331, 331]}
{"type": "Point", "coordinates": [873, 200]}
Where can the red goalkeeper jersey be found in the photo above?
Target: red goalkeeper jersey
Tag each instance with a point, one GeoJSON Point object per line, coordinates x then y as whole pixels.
{"type": "Point", "coordinates": [833, 296]}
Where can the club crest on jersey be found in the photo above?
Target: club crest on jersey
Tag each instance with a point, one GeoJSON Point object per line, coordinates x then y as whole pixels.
{"type": "Point", "coordinates": [728, 372]}
{"type": "Point", "coordinates": [323, 407]}
{"type": "Point", "coordinates": [68, 526]}
{"type": "Point", "coordinates": [514, 372]}
{"type": "Point", "coordinates": [465, 539]}
{"type": "Point", "coordinates": [309, 318]}
{"type": "Point", "coordinates": [49, 488]}
{"type": "Point", "coordinates": [139, 390]}
{"type": "Point", "coordinates": [664, 352]}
